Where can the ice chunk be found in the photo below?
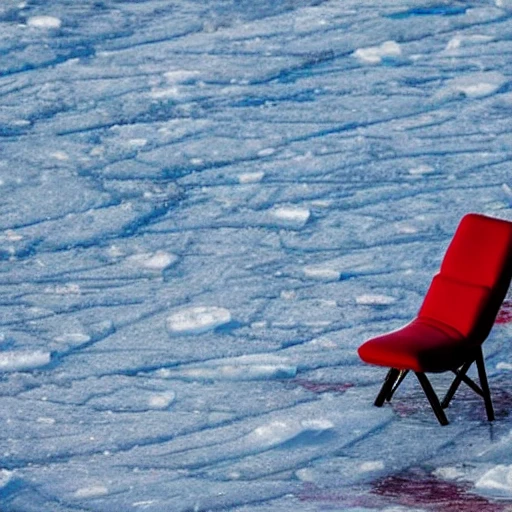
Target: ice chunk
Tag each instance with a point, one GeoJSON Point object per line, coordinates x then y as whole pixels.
{"type": "Point", "coordinates": [266, 152]}
{"type": "Point", "coordinates": [508, 192]}
{"type": "Point", "coordinates": [497, 481]}
{"type": "Point", "coordinates": [279, 431]}
{"type": "Point", "coordinates": [374, 300]}
{"type": "Point", "coordinates": [475, 85]}
{"type": "Point", "coordinates": [292, 216]}
{"type": "Point", "coordinates": [44, 22]}
{"type": "Point", "coordinates": [321, 273]}
{"type": "Point", "coordinates": [162, 400]}
{"type": "Point", "coordinates": [15, 361]}
{"type": "Point", "coordinates": [504, 4]}
{"type": "Point", "coordinates": [158, 260]}
{"type": "Point", "coordinates": [248, 367]}
{"type": "Point", "coordinates": [251, 177]}
{"type": "Point", "coordinates": [456, 42]}
{"type": "Point", "coordinates": [421, 170]}
{"type": "Point", "coordinates": [375, 54]}
{"type": "Point", "coordinates": [372, 465]}
{"type": "Point", "coordinates": [198, 319]}
{"type": "Point", "coordinates": [94, 491]}
{"type": "Point", "coordinates": [5, 477]}
{"type": "Point", "coordinates": [233, 372]}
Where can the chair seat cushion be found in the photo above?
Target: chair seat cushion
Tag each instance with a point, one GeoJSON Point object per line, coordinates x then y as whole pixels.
{"type": "Point", "coordinates": [420, 346]}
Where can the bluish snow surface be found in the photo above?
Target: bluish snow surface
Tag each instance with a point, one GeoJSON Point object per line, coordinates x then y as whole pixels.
{"type": "Point", "coordinates": [206, 207]}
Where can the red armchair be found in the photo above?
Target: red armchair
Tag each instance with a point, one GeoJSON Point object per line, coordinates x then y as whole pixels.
{"type": "Point", "coordinates": [456, 317]}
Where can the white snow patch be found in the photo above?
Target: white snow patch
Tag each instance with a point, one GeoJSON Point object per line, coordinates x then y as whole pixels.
{"type": "Point", "coordinates": [44, 22]}
{"type": "Point", "coordinates": [43, 420]}
{"type": "Point", "coordinates": [251, 177]}
{"type": "Point", "coordinates": [322, 342]}
{"type": "Point", "coordinates": [243, 368]}
{"type": "Point", "coordinates": [170, 92]}
{"type": "Point", "coordinates": [14, 361]}
{"type": "Point", "coordinates": [292, 216]}
{"type": "Point", "coordinates": [198, 319]}
{"type": "Point", "coordinates": [475, 85]}
{"type": "Point", "coordinates": [64, 289]}
{"type": "Point", "coordinates": [508, 192]}
{"type": "Point", "coordinates": [320, 273]}
{"type": "Point", "coordinates": [374, 300]}
{"type": "Point", "coordinates": [94, 491]}
{"type": "Point", "coordinates": [158, 260]}
{"type": "Point", "coordinates": [456, 42]}
{"type": "Point", "coordinates": [60, 155]}
{"type": "Point", "coordinates": [373, 465]}
{"type": "Point", "coordinates": [280, 431]}
{"type": "Point", "coordinates": [161, 400]}
{"type": "Point", "coordinates": [420, 170]}
{"type": "Point", "coordinates": [375, 54]}
{"type": "Point", "coordinates": [11, 236]}
{"type": "Point", "coordinates": [5, 477]}
{"type": "Point", "coordinates": [504, 4]}
{"type": "Point", "coordinates": [137, 143]}
{"type": "Point", "coordinates": [497, 481]}
{"type": "Point", "coordinates": [448, 473]}
{"type": "Point", "coordinates": [177, 76]}
{"type": "Point", "coordinates": [241, 373]}
{"type": "Point", "coordinates": [266, 151]}
{"type": "Point", "coordinates": [73, 337]}
{"type": "Point", "coordinates": [406, 229]}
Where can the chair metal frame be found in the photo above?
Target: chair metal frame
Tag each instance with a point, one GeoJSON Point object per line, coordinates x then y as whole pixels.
{"type": "Point", "coordinates": [395, 377]}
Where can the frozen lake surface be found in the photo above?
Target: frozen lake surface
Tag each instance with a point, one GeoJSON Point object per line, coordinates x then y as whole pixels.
{"type": "Point", "coordinates": [206, 207]}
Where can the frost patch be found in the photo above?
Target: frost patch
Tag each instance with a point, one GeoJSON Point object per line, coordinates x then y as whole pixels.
{"type": "Point", "coordinates": [44, 22]}
{"type": "Point", "coordinates": [375, 54]}
{"type": "Point", "coordinates": [23, 360]}
{"type": "Point", "coordinates": [197, 320]}
{"type": "Point", "coordinates": [374, 300]}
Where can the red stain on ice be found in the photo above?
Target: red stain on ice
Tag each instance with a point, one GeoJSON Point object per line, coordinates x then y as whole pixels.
{"type": "Point", "coordinates": [431, 493]}
{"type": "Point", "coordinates": [505, 313]}
{"type": "Point", "coordinates": [409, 490]}
{"type": "Point", "coordinates": [323, 387]}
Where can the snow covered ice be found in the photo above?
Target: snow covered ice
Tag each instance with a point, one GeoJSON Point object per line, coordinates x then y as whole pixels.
{"type": "Point", "coordinates": [206, 207]}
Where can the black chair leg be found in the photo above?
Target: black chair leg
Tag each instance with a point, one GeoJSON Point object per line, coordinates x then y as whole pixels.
{"type": "Point", "coordinates": [401, 377]}
{"type": "Point", "coordinates": [387, 386]}
{"type": "Point", "coordinates": [460, 375]}
{"type": "Point", "coordinates": [484, 384]}
{"type": "Point", "coordinates": [432, 398]}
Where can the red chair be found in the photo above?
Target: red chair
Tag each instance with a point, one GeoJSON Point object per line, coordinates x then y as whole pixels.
{"type": "Point", "coordinates": [456, 316]}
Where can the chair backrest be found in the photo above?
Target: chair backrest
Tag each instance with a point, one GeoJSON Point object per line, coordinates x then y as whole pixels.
{"type": "Point", "coordinates": [474, 277]}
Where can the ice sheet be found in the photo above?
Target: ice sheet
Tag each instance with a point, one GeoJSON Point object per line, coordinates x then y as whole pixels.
{"type": "Point", "coordinates": [207, 206]}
